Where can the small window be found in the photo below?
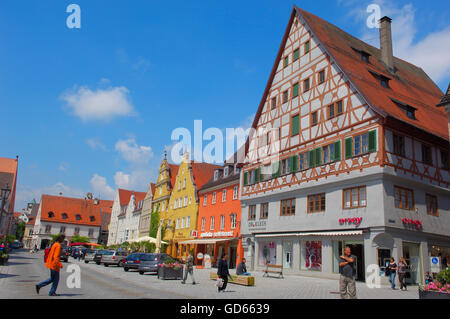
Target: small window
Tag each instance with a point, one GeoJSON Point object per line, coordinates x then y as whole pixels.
{"type": "Point", "coordinates": [399, 145]}
{"type": "Point", "coordinates": [285, 96]}
{"type": "Point", "coordinates": [203, 223]}
{"type": "Point", "coordinates": [403, 198]}
{"type": "Point", "coordinates": [339, 108]}
{"type": "Point", "coordinates": [444, 159]}
{"type": "Point", "coordinates": [51, 214]}
{"type": "Point", "coordinates": [432, 205]}
{"type": "Point", "coordinates": [306, 86]}
{"type": "Point", "coordinates": [222, 222]}
{"type": "Point", "coordinates": [224, 195]}
{"type": "Point", "coordinates": [286, 61]}
{"type": "Point", "coordinates": [92, 218]}
{"type": "Point", "coordinates": [296, 54]}
{"type": "Point", "coordinates": [205, 200]}
{"type": "Point", "coordinates": [331, 111]}
{"type": "Point", "coordinates": [303, 162]}
{"type": "Point", "coordinates": [274, 103]}
{"type": "Point", "coordinates": [355, 197]}
{"type": "Point", "coordinates": [252, 212]}
{"type": "Point", "coordinates": [426, 155]}
{"type": "Point", "coordinates": [78, 217]}
{"type": "Point", "coordinates": [321, 76]}
{"type": "Point", "coordinates": [295, 125]}
{"type": "Point", "coordinates": [64, 216]}
{"type": "Point", "coordinates": [287, 207]}
{"type": "Point", "coordinates": [235, 192]}
{"type": "Point", "coordinates": [226, 171]}
{"type": "Point", "coordinates": [216, 175]}
{"type": "Point", "coordinates": [316, 203]}
{"type": "Point", "coordinates": [307, 46]}
{"type": "Point", "coordinates": [214, 198]}
{"type": "Point", "coordinates": [233, 218]}
{"type": "Point", "coordinates": [264, 211]}
{"type": "Point", "coordinates": [314, 119]}
{"type": "Point", "coordinates": [295, 90]}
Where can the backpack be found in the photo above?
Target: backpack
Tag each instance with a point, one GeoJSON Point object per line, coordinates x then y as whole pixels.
{"type": "Point", "coordinates": [388, 270]}
{"type": "Point", "coordinates": [46, 253]}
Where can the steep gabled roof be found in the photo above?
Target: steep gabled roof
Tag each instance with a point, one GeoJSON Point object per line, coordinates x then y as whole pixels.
{"type": "Point", "coordinates": [173, 174]}
{"type": "Point", "coordinates": [410, 84]}
{"type": "Point", "coordinates": [446, 98]}
{"type": "Point", "coordinates": [203, 172]}
{"type": "Point", "coordinates": [125, 196]}
{"type": "Point", "coordinates": [10, 166]}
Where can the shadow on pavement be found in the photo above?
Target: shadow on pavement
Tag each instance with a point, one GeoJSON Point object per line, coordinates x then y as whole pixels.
{"type": "Point", "coordinates": [7, 276]}
{"type": "Point", "coordinates": [12, 263]}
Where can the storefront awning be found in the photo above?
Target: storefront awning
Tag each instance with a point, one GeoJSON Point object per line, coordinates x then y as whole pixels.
{"type": "Point", "coordinates": [204, 241]}
{"type": "Point", "coordinates": [336, 233]}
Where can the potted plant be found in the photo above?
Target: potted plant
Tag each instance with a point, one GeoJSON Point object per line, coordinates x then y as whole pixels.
{"type": "Point", "coordinates": [3, 258]}
{"type": "Point", "coordinates": [170, 270]}
{"type": "Point", "coordinates": [440, 289]}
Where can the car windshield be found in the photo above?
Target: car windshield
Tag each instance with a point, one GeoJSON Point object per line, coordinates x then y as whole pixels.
{"type": "Point", "coordinates": [108, 252]}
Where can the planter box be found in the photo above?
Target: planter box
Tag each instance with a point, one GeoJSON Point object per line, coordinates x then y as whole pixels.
{"type": "Point", "coordinates": [238, 280]}
{"type": "Point", "coordinates": [166, 273]}
{"type": "Point", "coordinates": [433, 295]}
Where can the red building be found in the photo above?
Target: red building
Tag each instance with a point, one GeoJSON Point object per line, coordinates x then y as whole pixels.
{"type": "Point", "coordinates": [219, 218]}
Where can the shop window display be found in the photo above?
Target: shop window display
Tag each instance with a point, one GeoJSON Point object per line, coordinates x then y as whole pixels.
{"type": "Point", "coordinates": [311, 255]}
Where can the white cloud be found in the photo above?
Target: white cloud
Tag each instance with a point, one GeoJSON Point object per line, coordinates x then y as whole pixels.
{"type": "Point", "coordinates": [132, 152]}
{"type": "Point", "coordinates": [95, 143]}
{"type": "Point", "coordinates": [103, 105]}
{"type": "Point", "coordinates": [63, 166]}
{"type": "Point", "coordinates": [431, 52]}
{"type": "Point", "coordinates": [101, 188]}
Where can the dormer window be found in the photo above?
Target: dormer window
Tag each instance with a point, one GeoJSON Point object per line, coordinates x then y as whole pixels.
{"type": "Point", "coordinates": [384, 81]}
{"type": "Point", "coordinates": [78, 217]}
{"type": "Point", "coordinates": [92, 218]}
{"type": "Point", "coordinates": [64, 216]}
{"type": "Point", "coordinates": [226, 171]}
{"type": "Point", "coordinates": [51, 215]}
{"type": "Point", "coordinates": [365, 57]}
{"type": "Point", "coordinates": [409, 110]}
{"type": "Point", "coordinates": [216, 175]}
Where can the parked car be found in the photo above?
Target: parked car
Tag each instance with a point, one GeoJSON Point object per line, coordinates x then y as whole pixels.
{"type": "Point", "coordinates": [98, 256]}
{"type": "Point", "coordinates": [133, 261]}
{"type": "Point", "coordinates": [150, 262]}
{"type": "Point", "coordinates": [115, 258]}
{"type": "Point", "coordinates": [89, 255]}
{"type": "Point", "coordinates": [64, 254]}
{"type": "Point", "coordinates": [16, 245]}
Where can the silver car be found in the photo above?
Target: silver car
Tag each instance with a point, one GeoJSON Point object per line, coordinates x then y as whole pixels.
{"type": "Point", "coordinates": [89, 255]}
{"type": "Point", "coordinates": [114, 258]}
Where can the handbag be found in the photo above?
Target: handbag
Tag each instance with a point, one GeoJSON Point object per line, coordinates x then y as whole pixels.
{"type": "Point", "coordinates": [219, 282]}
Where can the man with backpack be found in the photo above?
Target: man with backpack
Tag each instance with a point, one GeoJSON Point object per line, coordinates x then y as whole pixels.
{"type": "Point", "coordinates": [52, 261]}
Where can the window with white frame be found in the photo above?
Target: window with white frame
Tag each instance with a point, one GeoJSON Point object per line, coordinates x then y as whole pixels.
{"type": "Point", "coordinates": [211, 227]}
{"type": "Point", "coordinates": [233, 221]}
{"type": "Point", "coordinates": [179, 185]}
{"type": "Point", "coordinates": [235, 192]}
{"type": "Point", "coordinates": [175, 204]}
{"type": "Point", "coordinates": [222, 222]}
{"type": "Point", "coordinates": [185, 201]}
{"type": "Point", "coordinates": [203, 223]}
{"type": "Point", "coordinates": [182, 222]}
{"type": "Point", "coordinates": [184, 183]}
{"type": "Point", "coordinates": [224, 195]}
{"type": "Point", "coordinates": [188, 221]}
{"type": "Point", "coordinates": [214, 198]}
{"type": "Point", "coordinates": [226, 171]}
{"type": "Point", "coordinates": [205, 200]}
{"type": "Point", "coordinates": [178, 224]}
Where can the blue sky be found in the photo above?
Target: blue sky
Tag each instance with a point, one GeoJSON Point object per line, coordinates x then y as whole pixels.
{"type": "Point", "coordinates": [161, 66]}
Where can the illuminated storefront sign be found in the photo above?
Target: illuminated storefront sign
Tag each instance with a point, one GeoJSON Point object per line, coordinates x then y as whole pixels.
{"type": "Point", "coordinates": [216, 234]}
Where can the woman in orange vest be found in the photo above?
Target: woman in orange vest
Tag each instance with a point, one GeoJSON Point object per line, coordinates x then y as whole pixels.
{"type": "Point", "coordinates": [54, 264]}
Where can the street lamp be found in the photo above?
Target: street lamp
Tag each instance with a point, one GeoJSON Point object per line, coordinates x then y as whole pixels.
{"type": "Point", "coordinates": [4, 197]}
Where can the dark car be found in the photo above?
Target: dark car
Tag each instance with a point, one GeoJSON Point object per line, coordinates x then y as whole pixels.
{"type": "Point", "coordinates": [133, 261]}
{"type": "Point", "coordinates": [150, 262]}
{"type": "Point", "coordinates": [99, 254]}
{"type": "Point", "coordinates": [16, 245]}
{"type": "Point", "coordinates": [65, 253]}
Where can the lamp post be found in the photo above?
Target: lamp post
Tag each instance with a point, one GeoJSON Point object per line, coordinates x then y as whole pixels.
{"type": "Point", "coordinates": [4, 197]}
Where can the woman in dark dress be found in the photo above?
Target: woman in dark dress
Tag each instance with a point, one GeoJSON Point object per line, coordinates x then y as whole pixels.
{"type": "Point", "coordinates": [222, 272]}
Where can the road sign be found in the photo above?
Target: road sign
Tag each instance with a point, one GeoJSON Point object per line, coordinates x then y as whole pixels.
{"type": "Point", "coordinates": [435, 264]}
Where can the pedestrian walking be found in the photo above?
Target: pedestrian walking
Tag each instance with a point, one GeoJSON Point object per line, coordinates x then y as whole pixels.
{"type": "Point", "coordinates": [223, 272]}
{"type": "Point", "coordinates": [54, 264]}
{"type": "Point", "coordinates": [402, 267]}
{"type": "Point", "coordinates": [189, 269]}
{"type": "Point", "coordinates": [392, 271]}
{"type": "Point", "coordinates": [242, 268]}
{"type": "Point", "coordinates": [347, 269]}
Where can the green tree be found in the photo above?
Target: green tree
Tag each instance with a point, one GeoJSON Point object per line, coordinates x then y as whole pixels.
{"type": "Point", "coordinates": [20, 230]}
{"type": "Point", "coordinates": [79, 239]}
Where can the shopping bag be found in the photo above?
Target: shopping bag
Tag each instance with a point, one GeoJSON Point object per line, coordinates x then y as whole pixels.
{"type": "Point", "coordinates": [219, 282]}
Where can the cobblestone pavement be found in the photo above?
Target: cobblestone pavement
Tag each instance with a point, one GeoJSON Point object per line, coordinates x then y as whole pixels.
{"type": "Point", "coordinates": [24, 270]}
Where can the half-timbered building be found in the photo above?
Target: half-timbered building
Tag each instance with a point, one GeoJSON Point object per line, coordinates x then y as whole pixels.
{"type": "Point", "coordinates": [348, 148]}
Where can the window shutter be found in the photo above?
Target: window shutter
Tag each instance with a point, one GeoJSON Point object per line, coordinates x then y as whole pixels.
{"type": "Point", "coordinates": [245, 179]}
{"type": "Point", "coordinates": [294, 163]}
{"type": "Point", "coordinates": [256, 175]}
{"type": "Point", "coordinates": [295, 125]}
{"type": "Point", "coordinates": [337, 151]}
{"type": "Point", "coordinates": [372, 141]}
{"type": "Point", "coordinates": [276, 170]}
{"type": "Point", "coordinates": [295, 90]}
{"type": "Point", "coordinates": [261, 174]}
{"type": "Point", "coordinates": [349, 148]}
{"type": "Point", "coordinates": [312, 161]}
{"type": "Point", "coordinates": [279, 169]}
{"type": "Point", "coordinates": [318, 156]}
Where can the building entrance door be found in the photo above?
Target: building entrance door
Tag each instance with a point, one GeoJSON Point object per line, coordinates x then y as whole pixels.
{"type": "Point", "coordinates": [411, 253]}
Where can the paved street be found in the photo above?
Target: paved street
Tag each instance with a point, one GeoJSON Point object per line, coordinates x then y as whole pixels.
{"type": "Point", "coordinates": [24, 270]}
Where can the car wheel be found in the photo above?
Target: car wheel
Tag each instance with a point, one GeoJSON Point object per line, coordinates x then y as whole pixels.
{"type": "Point", "coordinates": [86, 261]}
{"type": "Point", "coordinates": [106, 265]}
{"type": "Point", "coordinates": [126, 269]}
{"type": "Point", "coordinates": [97, 263]}
{"type": "Point", "coordinates": [141, 273]}
{"type": "Point", "coordinates": [120, 264]}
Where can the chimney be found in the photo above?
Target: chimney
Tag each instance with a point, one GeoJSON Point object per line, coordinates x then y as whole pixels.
{"type": "Point", "coordinates": [387, 54]}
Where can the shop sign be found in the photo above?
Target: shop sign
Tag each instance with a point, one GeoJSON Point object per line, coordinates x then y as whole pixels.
{"type": "Point", "coordinates": [356, 221]}
{"type": "Point", "coordinates": [435, 263]}
{"type": "Point", "coordinates": [417, 223]}
{"type": "Point", "coordinates": [200, 256]}
{"type": "Point", "coordinates": [216, 234]}
{"type": "Point", "coordinates": [257, 225]}
{"type": "Point", "coordinates": [194, 233]}
{"type": "Point", "coordinates": [207, 262]}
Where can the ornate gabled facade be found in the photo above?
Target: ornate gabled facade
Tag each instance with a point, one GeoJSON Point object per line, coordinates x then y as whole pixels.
{"type": "Point", "coordinates": [164, 186]}
{"type": "Point", "coordinates": [181, 216]}
{"type": "Point", "coordinates": [349, 148]}
{"type": "Point", "coordinates": [146, 216]}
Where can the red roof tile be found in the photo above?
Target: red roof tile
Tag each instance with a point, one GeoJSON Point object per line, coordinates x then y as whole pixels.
{"type": "Point", "coordinates": [86, 208]}
{"type": "Point", "coordinates": [203, 172]}
{"type": "Point", "coordinates": [10, 166]}
{"type": "Point", "coordinates": [125, 195]}
{"type": "Point", "coordinates": [173, 174]}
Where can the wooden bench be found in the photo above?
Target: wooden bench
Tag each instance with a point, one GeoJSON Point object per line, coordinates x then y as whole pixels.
{"type": "Point", "coordinates": [273, 269]}
{"type": "Point", "coordinates": [238, 280]}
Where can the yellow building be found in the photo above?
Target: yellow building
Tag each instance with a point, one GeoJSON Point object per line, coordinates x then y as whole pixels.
{"type": "Point", "coordinates": [181, 217]}
{"type": "Point", "coordinates": [163, 187]}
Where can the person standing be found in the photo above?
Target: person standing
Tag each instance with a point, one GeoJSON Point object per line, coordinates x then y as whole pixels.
{"type": "Point", "coordinates": [402, 266]}
{"type": "Point", "coordinates": [223, 272]}
{"type": "Point", "coordinates": [392, 272]}
{"type": "Point", "coordinates": [189, 269]}
{"type": "Point", "coordinates": [242, 268]}
{"type": "Point", "coordinates": [347, 269]}
{"type": "Point", "coordinates": [54, 264]}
